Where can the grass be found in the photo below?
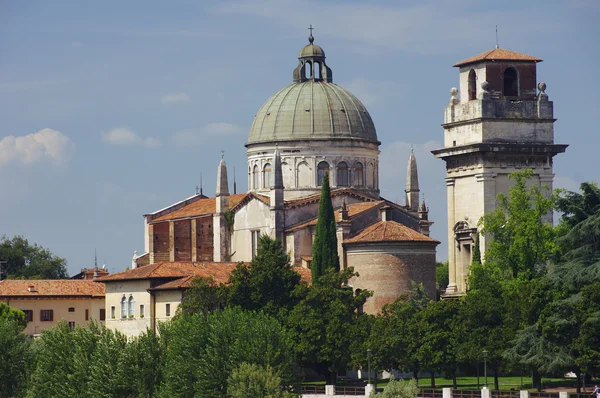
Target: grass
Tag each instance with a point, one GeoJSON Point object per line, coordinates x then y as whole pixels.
{"type": "Point", "coordinates": [470, 382]}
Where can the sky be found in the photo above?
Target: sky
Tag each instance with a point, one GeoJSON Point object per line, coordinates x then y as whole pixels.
{"type": "Point", "coordinates": [110, 110]}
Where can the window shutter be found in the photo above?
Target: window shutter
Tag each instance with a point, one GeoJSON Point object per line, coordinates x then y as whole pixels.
{"type": "Point", "coordinates": [51, 315]}
{"type": "Point", "coordinates": [102, 314]}
{"type": "Point", "coordinates": [41, 315]}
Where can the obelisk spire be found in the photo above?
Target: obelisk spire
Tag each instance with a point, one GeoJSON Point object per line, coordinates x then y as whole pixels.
{"type": "Point", "coordinates": [412, 183]}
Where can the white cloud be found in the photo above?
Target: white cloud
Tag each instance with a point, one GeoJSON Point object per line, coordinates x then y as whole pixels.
{"type": "Point", "coordinates": [175, 97]}
{"type": "Point", "coordinates": [45, 145]}
{"type": "Point", "coordinates": [200, 135]}
{"type": "Point", "coordinates": [124, 136]}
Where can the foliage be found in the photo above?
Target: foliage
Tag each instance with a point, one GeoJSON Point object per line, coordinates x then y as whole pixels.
{"type": "Point", "coordinates": [324, 322]}
{"type": "Point", "coordinates": [203, 297]}
{"type": "Point", "coordinates": [325, 249]}
{"type": "Point", "coordinates": [399, 389]}
{"type": "Point", "coordinates": [25, 261]}
{"type": "Point", "coordinates": [202, 353]}
{"type": "Point", "coordinates": [476, 251]}
{"type": "Point", "coordinates": [254, 381]}
{"type": "Point", "coordinates": [16, 358]}
{"type": "Point", "coordinates": [269, 283]}
{"type": "Point", "coordinates": [12, 314]}
{"type": "Point", "coordinates": [521, 242]}
{"type": "Point", "coordinates": [441, 275]}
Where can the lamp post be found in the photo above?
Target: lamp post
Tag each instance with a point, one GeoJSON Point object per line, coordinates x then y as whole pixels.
{"type": "Point", "coordinates": [369, 364]}
{"type": "Point", "coordinates": [485, 354]}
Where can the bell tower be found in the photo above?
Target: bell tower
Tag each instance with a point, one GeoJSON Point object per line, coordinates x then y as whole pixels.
{"type": "Point", "coordinates": [499, 124]}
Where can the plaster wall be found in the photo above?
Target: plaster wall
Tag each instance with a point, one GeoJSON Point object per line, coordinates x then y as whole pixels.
{"type": "Point", "coordinates": [161, 299]}
{"type": "Point", "coordinates": [60, 308]}
{"type": "Point", "coordinates": [138, 289]}
{"type": "Point", "coordinates": [255, 216]}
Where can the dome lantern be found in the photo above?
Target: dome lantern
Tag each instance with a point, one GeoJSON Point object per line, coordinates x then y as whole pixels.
{"type": "Point", "coordinates": [312, 64]}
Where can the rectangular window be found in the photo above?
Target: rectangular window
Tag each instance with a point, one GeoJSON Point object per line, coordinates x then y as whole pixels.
{"type": "Point", "coordinates": [71, 309]}
{"type": "Point", "coordinates": [28, 315]}
{"type": "Point", "coordinates": [255, 240]}
{"type": "Point", "coordinates": [87, 315]}
{"type": "Point", "coordinates": [168, 309]}
{"type": "Point", "coordinates": [103, 314]}
{"type": "Point", "coordinates": [71, 324]}
{"type": "Point", "coordinates": [113, 310]}
{"type": "Point", "coordinates": [142, 311]}
{"type": "Point", "coordinates": [46, 315]}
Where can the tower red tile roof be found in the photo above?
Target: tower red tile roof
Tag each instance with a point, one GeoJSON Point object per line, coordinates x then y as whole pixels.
{"type": "Point", "coordinates": [389, 231]}
{"type": "Point", "coordinates": [499, 54]}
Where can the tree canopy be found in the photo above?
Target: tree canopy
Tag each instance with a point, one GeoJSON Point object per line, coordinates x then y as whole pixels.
{"type": "Point", "coordinates": [26, 261]}
{"type": "Point", "coordinates": [325, 248]}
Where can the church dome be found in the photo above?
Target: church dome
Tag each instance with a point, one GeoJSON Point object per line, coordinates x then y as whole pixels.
{"type": "Point", "coordinates": [313, 107]}
{"type": "Point", "coordinates": [312, 110]}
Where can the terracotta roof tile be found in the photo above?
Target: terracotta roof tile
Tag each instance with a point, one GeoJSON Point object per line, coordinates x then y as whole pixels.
{"type": "Point", "coordinates": [334, 192]}
{"type": "Point", "coordinates": [389, 231]}
{"type": "Point", "coordinates": [167, 269]}
{"type": "Point", "coordinates": [198, 208]}
{"type": "Point", "coordinates": [353, 210]}
{"type": "Point", "coordinates": [499, 54]}
{"type": "Point", "coordinates": [49, 287]}
{"type": "Point", "coordinates": [218, 272]}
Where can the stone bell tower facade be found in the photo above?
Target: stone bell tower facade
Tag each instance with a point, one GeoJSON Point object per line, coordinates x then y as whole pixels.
{"type": "Point", "coordinates": [498, 125]}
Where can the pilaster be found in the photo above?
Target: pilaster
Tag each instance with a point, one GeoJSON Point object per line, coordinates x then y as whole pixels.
{"type": "Point", "coordinates": [151, 243]}
{"type": "Point", "coordinates": [171, 241]}
{"type": "Point", "coordinates": [193, 240]}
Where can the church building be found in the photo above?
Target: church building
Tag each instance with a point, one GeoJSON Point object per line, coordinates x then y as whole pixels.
{"type": "Point", "coordinates": [499, 124]}
{"type": "Point", "coordinates": [307, 129]}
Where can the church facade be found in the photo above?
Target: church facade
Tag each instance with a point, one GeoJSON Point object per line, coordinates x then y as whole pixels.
{"type": "Point", "coordinates": [500, 123]}
{"type": "Point", "coordinates": [308, 128]}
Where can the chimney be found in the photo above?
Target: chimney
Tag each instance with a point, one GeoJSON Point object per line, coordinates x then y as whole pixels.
{"type": "Point", "coordinates": [31, 289]}
{"type": "Point", "coordinates": [386, 213]}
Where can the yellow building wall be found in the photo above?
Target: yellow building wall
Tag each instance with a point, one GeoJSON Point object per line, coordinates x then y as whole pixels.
{"type": "Point", "coordinates": [60, 308]}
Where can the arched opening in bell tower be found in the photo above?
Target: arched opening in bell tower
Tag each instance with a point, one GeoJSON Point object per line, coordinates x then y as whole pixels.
{"type": "Point", "coordinates": [511, 82]}
{"type": "Point", "coordinates": [472, 85]}
{"type": "Point", "coordinates": [308, 69]}
{"type": "Point", "coordinates": [317, 71]}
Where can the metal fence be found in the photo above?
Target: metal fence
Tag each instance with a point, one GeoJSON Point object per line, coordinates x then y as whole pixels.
{"type": "Point", "coordinates": [429, 393]}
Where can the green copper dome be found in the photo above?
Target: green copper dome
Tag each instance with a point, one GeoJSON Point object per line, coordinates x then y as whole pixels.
{"type": "Point", "coordinates": [309, 110]}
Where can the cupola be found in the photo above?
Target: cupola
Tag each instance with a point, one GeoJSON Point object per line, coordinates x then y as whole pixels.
{"type": "Point", "coordinates": [312, 64]}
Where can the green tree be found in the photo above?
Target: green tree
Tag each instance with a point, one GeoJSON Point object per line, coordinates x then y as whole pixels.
{"type": "Point", "coordinates": [254, 381]}
{"type": "Point", "coordinates": [269, 283]}
{"type": "Point", "coordinates": [203, 297]}
{"type": "Point", "coordinates": [202, 353]}
{"type": "Point", "coordinates": [16, 358]}
{"type": "Point", "coordinates": [520, 241]}
{"type": "Point", "coordinates": [25, 261]}
{"type": "Point", "coordinates": [476, 251]}
{"type": "Point", "coordinates": [324, 322]}
{"type": "Point", "coordinates": [325, 249]}
{"type": "Point", "coordinates": [13, 314]}
{"type": "Point", "coordinates": [441, 275]}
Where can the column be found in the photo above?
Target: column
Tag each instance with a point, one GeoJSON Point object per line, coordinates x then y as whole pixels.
{"type": "Point", "coordinates": [151, 243]}
{"type": "Point", "coordinates": [452, 288]}
{"type": "Point", "coordinates": [194, 245]}
{"type": "Point", "coordinates": [171, 241]}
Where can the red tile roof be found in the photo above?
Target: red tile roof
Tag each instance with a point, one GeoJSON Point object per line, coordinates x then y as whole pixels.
{"type": "Point", "coordinates": [208, 206]}
{"type": "Point", "coordinates": [51, 288]}
{"type": "Point", "coordinates": [177, 269]}
{"type": "Point", "coordinates": [353, 210]}
{"type": "Point", "coordinates": [334, 192]}
{"type": "Point", "coordinates": [499, 54]}
{"type": "Point", "coordinates": [389, 231]}
{"type": "Point", "coordinates": [219, 275]}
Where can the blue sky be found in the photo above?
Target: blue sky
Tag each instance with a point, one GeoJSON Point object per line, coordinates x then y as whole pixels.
{"type": "Point", "coordinates": [109, 110]}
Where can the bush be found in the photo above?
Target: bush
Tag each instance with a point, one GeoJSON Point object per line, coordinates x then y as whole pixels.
{"type": "Point", "coordinates": [399, 389]}
{"type": "Point", "coordinates": [250, 381]}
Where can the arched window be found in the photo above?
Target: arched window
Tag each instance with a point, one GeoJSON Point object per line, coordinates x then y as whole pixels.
{"type": "Point", "coordinates": [358, 177]}
{"type": "Point", "coordinates": [511, 83]}
{"type": "Point", "coordinates": [308, 70]}
{"type": "Point", "coordinates": [317, 71]}
{"type": "Point", "coordinates": [322, 168]}
{"type": "Point", "coordinates": [267, 175]}
{"type": "Point", "coordinates": [123, 307]}
{"type": "Point", "coordinates": [472, 85]}
{"type": "Point", "coordinates": [342, 174]}
{"type": "Point", "coordinates": [131, 307]}
{"type": "Point", "coordinates": [255, 177]}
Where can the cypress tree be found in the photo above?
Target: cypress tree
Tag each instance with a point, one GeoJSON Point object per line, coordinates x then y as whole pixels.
{"type": "Point", "coordinates": [476, 251]}
{"type": "Point", "coordinates": [324, 250]}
